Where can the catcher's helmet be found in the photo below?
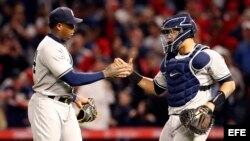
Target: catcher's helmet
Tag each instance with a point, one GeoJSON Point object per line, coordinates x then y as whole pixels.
{"type": "Point", "coordinates": [181, 22]}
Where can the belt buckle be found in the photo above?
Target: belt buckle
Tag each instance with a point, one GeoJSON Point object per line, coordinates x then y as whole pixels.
{"type": "Point", "coordinates": [66, 99]}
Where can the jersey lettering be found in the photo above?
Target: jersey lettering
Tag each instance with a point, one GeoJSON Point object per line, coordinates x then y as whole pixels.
{"type": "Point", "coordinates": [34, 63]}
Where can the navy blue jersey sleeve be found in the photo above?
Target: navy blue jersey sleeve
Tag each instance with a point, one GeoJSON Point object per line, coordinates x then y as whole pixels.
{"type": "Point", "coordinates": [79, 78]}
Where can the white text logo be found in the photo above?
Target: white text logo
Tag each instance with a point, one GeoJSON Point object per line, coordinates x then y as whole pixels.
{"type": "Point", "coordinates": [237, 132]}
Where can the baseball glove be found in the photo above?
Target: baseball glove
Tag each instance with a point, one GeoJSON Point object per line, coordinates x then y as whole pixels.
{"type": "Point", "coordinates": [87, 113]}
{"type": "Point", "coordinates": [198, 120]}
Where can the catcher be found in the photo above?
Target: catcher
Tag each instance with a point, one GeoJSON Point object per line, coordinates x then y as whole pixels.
{"type": "Point", "coordinates": [187, 74]}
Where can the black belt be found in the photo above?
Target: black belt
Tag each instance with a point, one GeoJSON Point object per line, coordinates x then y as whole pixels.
{"type": "Point", "coordinates": [204, 88]}
{"type": "Point", "coordinates": [63, 99]}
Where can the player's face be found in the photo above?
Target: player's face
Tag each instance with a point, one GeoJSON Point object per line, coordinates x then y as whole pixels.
{"type": "Point", "coordinates": [67, 31]}
{"type": "Point", "coordinates": [169, 35]}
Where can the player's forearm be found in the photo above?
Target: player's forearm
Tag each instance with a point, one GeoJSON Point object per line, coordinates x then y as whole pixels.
{"type": "Point", "coordinates": [147, 84]}
{"type": "Point", "coordinates": [77, 78]}
{"type": "Point", "coordinates": [228, 88]}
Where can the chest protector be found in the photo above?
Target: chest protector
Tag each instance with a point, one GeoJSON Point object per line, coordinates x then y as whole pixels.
{"type": "Point", "coordinates": [182, 84]}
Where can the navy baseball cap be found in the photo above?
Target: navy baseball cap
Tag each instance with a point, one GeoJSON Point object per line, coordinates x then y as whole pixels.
{"type": "Point", "coordinates": [63, 15]}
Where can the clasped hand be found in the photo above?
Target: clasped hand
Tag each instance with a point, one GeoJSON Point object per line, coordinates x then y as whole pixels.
{"type": "Point", "coordinates": [119, 68]}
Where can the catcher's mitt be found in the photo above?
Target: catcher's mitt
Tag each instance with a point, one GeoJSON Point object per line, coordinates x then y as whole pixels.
{"type": "Point", "coordinates": [198, 120]}
{"type": "Point", "coordinates": [87, 113]}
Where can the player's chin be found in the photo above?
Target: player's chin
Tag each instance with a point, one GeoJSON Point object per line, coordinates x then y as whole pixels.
{"type": "Point", "coordinates": [69, 36]}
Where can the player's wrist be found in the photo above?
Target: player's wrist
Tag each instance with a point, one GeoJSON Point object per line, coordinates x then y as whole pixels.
{"type": "Point", "coordinates": [74, 97]}
{"type": "Point", "coordinates": [135, 77]}
{"type": "Point", "coordinates": [218, 99]}
{"type": "Point", "coordinates": [105, 74]}
{"type": "Point", "coordinates": [211, 106]}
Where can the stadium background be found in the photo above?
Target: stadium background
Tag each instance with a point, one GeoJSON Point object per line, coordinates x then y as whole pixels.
{"type": "Point", "coordinates": [119, 28]}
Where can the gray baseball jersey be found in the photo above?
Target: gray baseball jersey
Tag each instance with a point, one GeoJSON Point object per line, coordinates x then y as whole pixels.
{"type": "Point", "coordinates": [50, 119]}
{"type": "Point", "coordinates": [52, 61]}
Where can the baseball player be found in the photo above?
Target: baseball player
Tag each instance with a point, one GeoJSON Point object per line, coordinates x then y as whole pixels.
{"type": "Point", "coordinates": [50, 112]}
{"type": "Point", "coordinates": [187, 73]}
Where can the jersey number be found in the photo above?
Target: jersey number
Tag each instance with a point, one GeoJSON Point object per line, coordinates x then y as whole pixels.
{"type": "Point", "coordinates": [34, 63]}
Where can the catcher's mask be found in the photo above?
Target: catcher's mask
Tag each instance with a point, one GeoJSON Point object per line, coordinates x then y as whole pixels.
{"type": "Point", "coordinates": [181, 24]}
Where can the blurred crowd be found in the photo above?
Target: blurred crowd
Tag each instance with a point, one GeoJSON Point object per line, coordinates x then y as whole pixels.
{"type": "Point", "coordinates": [125, 29]}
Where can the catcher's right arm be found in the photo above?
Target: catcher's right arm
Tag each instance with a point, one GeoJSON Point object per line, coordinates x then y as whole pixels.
{"type": "Point", "coordinates": [87, 113]}
{"type": "Point", "coordinates": [198, 120]}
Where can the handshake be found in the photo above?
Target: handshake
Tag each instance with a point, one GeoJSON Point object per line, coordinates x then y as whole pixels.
{"type": "Point", "coordinates": [119, 68]}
